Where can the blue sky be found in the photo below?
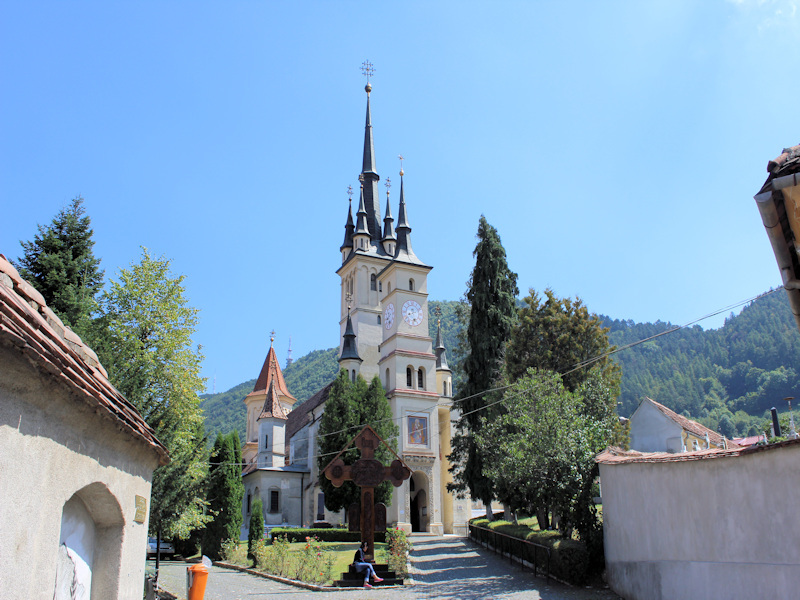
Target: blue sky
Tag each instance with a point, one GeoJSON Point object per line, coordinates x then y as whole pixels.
{"type": "Point", "coordinates": [615, 146]}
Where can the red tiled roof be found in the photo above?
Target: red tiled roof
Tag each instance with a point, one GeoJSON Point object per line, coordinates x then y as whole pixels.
{"type": "Point", "coordinates": [748, 441]}
{"type": "Point", "coordinates": [28, 326]}
{"type": "Point", "coordinates": [691, 426]}
{"type": "Point", "coordinates": [272, 405]}
{"type": "Point", "coordinates": [789, 161]}
{"type": "Point", "coordinates": [271, 371]}
{"type": "Point", "coordinates": [613, 455]}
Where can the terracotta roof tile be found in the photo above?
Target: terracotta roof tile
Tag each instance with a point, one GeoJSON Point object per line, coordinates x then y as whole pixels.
{"type": "Point", "coordinates": [271, 371]}
{"type": "Point", "coordinates": [788, 161]}
{"type": "Point", "coordinates": [28, 326]}
{"type": "Point", "coordinates": [272, 405]}
{"type": "Point", "coordinates": [614, 455]}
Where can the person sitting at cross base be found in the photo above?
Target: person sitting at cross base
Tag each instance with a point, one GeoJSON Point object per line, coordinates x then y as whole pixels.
{"type": "Point", "coordinates": [362, 566]}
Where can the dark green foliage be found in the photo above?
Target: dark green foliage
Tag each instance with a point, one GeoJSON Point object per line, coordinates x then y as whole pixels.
{"type": "Point", "coordinates": [721, 377]}
{"type": "Point", "coordinates": [224, 494]}
{"type": "Point", "coordinates": [323, 535]}
{"type": "Point", "coordinates": [491, 293]}
{"type": "Point", "coordinates": [256, 531]}
{"type": "Point", "coordinates": [309, 374]}
{"type": "Point", "coordinates": [225, 411]}
{"type": "Point", "coordinates": [349, 407]}
{"type": "Point", "coordinates": [61, 265]}
{"type": "Point", "coordinates": [451, 327]}
{"type": "Point", "coordinates": [558, 334]}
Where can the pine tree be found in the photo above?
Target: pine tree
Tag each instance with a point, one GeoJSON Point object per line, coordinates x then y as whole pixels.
{"type": "Point", "coordinates": [61, 265]}
{"type": "Point", "coordinates": [349, 407]}
{"type": "Point", "coordinates": [491, 296]}
{"type": "Point", "coordinates": [224, 494]}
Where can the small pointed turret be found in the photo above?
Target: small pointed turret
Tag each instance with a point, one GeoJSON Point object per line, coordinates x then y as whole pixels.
{"type": "Point", "coordinates": [441, 352]}
{"type": "Point", "coordinates": [389, 237]}
{"type": "Point", "coordinates": [349, 346]}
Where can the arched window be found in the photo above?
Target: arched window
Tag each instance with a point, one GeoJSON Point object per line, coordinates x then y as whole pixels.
{"type": "Point", "coordinates": [387, 379]}
{"type": "Point", "coordinates": [274, 501]}
{"type": "Point", "coordinates": [249, 500]}
{"type": "Point", "coordinates": [444, 388]}
{"type": "Point", "coordinates": [266, 442]}
{"type": "Point", "coordinates": [353, 376]}
{"type": "Point", "coordinates": [421, 379]}
{"type": "Point", "coordinates": [373, 284]}
{"type": "Point", "coordinates": [408, 377]}
{"type": "Point", "coordinates": [379, 321]}
{"type": "Point", "coordinates": [411, 284]}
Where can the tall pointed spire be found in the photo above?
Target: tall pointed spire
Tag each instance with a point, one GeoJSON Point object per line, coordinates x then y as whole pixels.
{"type": "Point", "coordinates": [403, 251]}
{"type": "Point", "coordinates": [388, 220]}
{"type": "Point", "coordinates": [361, 216]}
{"type": "Point", "coordinates": [368, 168]}
{"type": "Point", "coordinates": [349, 227]}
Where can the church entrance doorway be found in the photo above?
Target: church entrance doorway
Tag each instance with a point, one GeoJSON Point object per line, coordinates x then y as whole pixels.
{"type": "Point", "coordinates": [418, 487]}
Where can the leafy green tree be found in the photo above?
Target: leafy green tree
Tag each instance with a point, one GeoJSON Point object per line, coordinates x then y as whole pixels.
{"type": "Point", "coordinates": [224, 494]}
{"type": "Point", "coordinates": [143, 338]}
{"type": "Point", "coordinates": [559, 334]}
{"type": "Point", "coordinates": [491, 293]}
{"type": "Point", "coordinates": [60, 263]}
{"type": "Point", "coordinates": [349, 407]}
{"type": "Point", "coordinates": [256, 530]}
{"type": "Point", "coordinates": [541, 450]}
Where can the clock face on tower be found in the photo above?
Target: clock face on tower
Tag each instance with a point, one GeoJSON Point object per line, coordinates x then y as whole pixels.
{"type": "Point", "coordinates": [412, 313]}
{"type": "Point", "coordinates": [388, 316]}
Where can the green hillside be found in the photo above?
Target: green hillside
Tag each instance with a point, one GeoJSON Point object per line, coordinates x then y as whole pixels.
{"type": "Point", "coordinates": [727, 378]}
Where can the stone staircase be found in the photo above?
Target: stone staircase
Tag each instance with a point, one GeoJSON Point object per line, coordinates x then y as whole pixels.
{"type": "Point", "coordinates": [353, 578]}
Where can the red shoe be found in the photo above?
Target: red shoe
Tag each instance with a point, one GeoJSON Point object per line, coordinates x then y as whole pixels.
{"type": "Point", "coordinates": [377, 579]}
{"type": "Point", "coordinates": [367, 585]}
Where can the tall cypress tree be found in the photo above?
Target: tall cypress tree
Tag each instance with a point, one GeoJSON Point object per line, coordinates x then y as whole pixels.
{"type": "Point", "coordinates": [61, 265]}
{"type": "Point", "coordinates": [224, 494]}
{"type": "Point", "coordinates": [491, 296]}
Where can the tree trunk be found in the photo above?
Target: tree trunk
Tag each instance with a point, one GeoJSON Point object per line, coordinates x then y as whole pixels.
{"type": "Point", "coordinates": [542, 518]}
{"type": "Point", "coordinates": [489, 514]}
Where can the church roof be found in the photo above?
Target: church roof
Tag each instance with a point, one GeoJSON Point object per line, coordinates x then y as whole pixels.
{"type": "Point", "coordinates": [271, 371]}
{"type": "Point", "coordinates": [301, 416]}
{"type": "Point", "coordinates": [30, 328]}
{"type": "Point", "coordinates": [272, 405]}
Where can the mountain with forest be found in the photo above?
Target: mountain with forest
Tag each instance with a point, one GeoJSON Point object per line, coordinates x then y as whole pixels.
{"type": "Point", "coordinates": [726, 378]}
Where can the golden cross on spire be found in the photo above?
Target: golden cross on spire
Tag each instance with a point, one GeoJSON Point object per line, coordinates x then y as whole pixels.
{"type": "Point", "coordinates": [400, 156]}
{"type": "Point", "coordinates": [388, 184]}
{"type": "Point", "coordinates": [271, 337]}
{"type": "Point", "coordinates": [348, 297]}
{"type": "Point", "coordinates": [350, 192]}
{"type": "Point", "coordinates": [368, 69]}
{"type": "Point", "coordinates": [438, 312]}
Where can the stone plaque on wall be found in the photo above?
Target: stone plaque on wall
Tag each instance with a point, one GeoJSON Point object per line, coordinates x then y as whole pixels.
{"type": "Point", "coordinates": [141, 509]}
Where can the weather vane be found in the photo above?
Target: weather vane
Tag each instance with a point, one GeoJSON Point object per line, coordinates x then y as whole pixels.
{"type": "Point", "coordinates": [350, 192]}
{"type": "Point", "coordinates": [438, 312]}
{"type": "Point", "coordinates": [388, 185]}
{"type": "Point", "coordinates": [367, 69]}
{"type": "Point", "coordinates": [348, 297]}
{"type": "Point", "coordinates": [271, 337]}
{"type": "Point", "coordinates": [400, 156]}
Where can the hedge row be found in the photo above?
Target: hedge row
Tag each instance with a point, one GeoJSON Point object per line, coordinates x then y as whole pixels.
{"type": "Point", "coordinates": [569, 559]}
{"type": "Point", "coordinates": [297, 534]}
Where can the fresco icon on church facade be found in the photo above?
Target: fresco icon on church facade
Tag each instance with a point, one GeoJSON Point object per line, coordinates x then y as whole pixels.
{"type": "Point", "coordinates": [418, 430]}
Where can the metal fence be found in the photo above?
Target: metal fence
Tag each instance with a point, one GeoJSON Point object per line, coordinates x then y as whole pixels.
{"type": "Point", "coordinates": [523, 551]}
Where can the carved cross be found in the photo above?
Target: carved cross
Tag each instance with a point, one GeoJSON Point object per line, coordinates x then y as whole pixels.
{"type": "Point", "coordinates": [367, 473]}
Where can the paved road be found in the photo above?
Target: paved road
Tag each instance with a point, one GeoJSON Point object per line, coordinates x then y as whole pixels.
{"type": "Point", "coordinates": [449, 568]}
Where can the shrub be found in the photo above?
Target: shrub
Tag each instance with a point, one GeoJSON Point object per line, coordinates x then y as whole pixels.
{"type": "Point", "coordinates": [275, 558]}
{"type": "Point", "coordinates": [323, 535]}
{"type": "Point", "coordinates": [312, 564]}
{"type": "Point", "coordinates": [399, 547]}
{"type": "Point", "coordinates": [256, 531]}
{"type": "Point", "coordinates": [232, 552]}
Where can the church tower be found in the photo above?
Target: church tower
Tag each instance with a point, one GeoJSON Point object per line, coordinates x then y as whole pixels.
{"type": "Point", "coordinates": [384, 331]}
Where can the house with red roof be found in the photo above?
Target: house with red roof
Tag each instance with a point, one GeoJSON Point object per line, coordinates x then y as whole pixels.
{"type": "Point", "coordinates": [76, 464]}
{"type": "Point", "coordinates": [656, 428]}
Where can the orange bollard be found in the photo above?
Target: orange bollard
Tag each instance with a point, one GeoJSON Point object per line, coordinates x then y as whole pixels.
{"type": "Point", "coordinates": [196, 576]}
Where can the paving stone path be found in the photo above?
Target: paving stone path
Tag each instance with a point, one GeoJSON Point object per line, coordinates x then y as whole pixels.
{"type": "Point", "coordinates": [441, 567]}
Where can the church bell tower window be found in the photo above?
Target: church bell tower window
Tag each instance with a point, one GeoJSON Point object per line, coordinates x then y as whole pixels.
{"type": "Point", "coordinates": [408, 377]}
{"type": "Point", "coordinates": [421, 379]}
{"type": "Point", "coordinates": [411, 285]}
{"type": "Point", "coordinates": [373, 285]}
